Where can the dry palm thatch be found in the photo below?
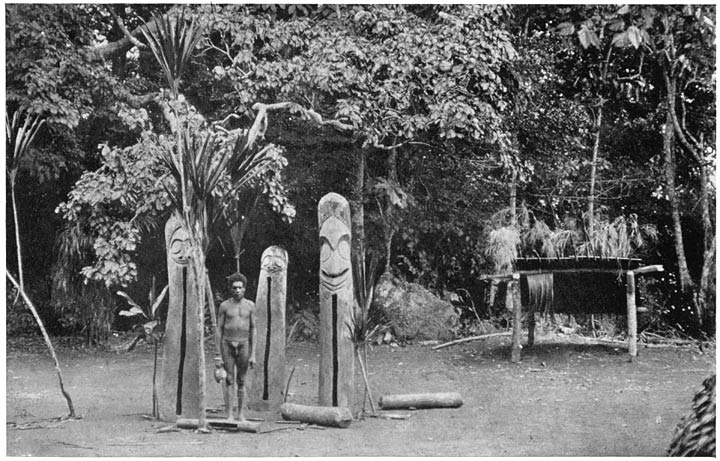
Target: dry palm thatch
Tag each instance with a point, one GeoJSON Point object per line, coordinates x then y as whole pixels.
{"type": "Point", "coordinates": [502, 249]}
{"type": "Point", "coordinates": [540, 292]}
{"type": "Point", "coordinates": [619, 238]}
{"type": "Point", "coordinates": [695, 435]}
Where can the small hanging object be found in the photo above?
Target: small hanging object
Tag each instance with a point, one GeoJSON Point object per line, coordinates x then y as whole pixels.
{"type": "Point", "coordinates": [421, 401]}
{"type": "Point", "coordinates": [323, 416]}
{"type": "Point", "coordinates": [220, 374]}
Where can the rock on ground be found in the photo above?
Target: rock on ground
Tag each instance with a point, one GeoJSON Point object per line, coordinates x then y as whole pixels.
{"type": "Point", "coordinates": [413, 311]}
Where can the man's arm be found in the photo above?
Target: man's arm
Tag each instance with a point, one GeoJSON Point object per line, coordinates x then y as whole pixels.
{"type": "Point", "coordinates": [221, 319]}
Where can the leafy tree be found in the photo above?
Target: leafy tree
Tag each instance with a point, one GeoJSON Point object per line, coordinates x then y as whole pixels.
{"type": "Point", "coordinates": [678, 43]}
{"type": "Point", "coordinates": [388, 76]}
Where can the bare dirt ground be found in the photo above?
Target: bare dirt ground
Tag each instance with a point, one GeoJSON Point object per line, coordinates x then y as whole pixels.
{"type": "Point", "coordinates": [564, 399]}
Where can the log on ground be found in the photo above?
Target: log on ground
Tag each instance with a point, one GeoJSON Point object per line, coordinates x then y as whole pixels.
{"type": "Point", "coordinates": [323, 416]}
{"type": "Point", "coordinates": [243, 426]}
{"type": "Point", "coordinates": [421, 401]}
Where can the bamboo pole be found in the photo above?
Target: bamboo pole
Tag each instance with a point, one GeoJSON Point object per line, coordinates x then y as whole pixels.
{"type": "Point", "coordinates": [199, 269]}
{"type": "Point", "coordinates": [471, 338]}
{"type": "Point", "coordinates": [498, 277]}
{"type": "Point", "coordinates": [576, 270]}
{"type": "Point", "coordinates": [631, 315]}
{"type": "Point", "coordinates": [363, 370]}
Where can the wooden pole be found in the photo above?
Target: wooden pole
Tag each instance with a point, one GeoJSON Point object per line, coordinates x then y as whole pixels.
{"type": "Point", "coordinates": [471, 338]}
{"type": "Point", "coordinates": [531, 327]}
{"type": "Point", "coordinates": [648, 269]}
{"type": "Point", "coordinates": [513, 301]}
{"type": "Point", "coordinates": [631, 315]}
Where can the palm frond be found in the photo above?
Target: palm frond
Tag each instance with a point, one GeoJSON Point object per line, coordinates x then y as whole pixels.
{"type": "Point", "coordinates": [19, 138]}
{"type": "Point", "coordinates": [172, 40]}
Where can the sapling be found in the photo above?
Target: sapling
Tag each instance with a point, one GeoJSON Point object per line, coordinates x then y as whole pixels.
{"type": "Point", "coordinates": [152, 329]}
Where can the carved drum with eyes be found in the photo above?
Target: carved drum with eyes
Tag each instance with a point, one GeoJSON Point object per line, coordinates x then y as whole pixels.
{"type": "Point", "coordinates": [336, 302]}
{"type": "Point", "coordinates": [334, 254]}
{"type": "Point", "coordinates": [266, 385]}
{"type": "Point", "coordinates": [178, 387]}
{"type": "Point", "coordinates": [179, 246]}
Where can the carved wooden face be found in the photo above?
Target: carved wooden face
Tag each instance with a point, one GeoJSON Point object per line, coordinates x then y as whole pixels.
{"type": "Point", "coordinates": [179, 247]}
{"type": "Point", "coordinates": [273, 260]}
{"type": "Point", "coordinates": [334, 254]}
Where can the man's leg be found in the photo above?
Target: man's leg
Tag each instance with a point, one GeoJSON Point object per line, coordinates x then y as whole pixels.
{"type": "Point", "coordinates": [226, 351]}
{"type": "Point", "coordinates": [241, 365]}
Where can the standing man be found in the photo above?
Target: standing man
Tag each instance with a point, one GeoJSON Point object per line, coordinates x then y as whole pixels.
{"type": "Point", "coordinates": [236, 322]}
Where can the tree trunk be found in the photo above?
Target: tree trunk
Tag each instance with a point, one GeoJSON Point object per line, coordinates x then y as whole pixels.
{"type": "Point", "coordinates": [200, 277]}
{"type": "Point", "coordinates": [17, 235]}
{"type": "Point", "coordinates": [155, 412]}
{"type": "Point", "coordinates": [389, 225]}
{"type": "Point", "coordinates": [239, 229]}
{"type": "Point", "coordinates": [686, 282]}
{"type": "Point", "coordinates": [357, 210]}
{"type": "Point", "coordinates": [48, 343]}
{"type": "Point", "coordinates": [513, 199]}
{"type": "Point", "coordinates": [695, 150]}
{"type": "Point", "coordinates": [593, 171]}
{"type": "Point", "coordinates": [708, 233]}
{"type": "Point", "coordinates": [706, 307]}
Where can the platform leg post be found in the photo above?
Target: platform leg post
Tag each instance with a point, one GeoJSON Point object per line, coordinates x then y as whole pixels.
{"type": "Point", "coordinates": [513, 300]}
{"type": "Point", "coordinates": [531, 327]}
{"type": "Point", "coordinates": [631, 315]}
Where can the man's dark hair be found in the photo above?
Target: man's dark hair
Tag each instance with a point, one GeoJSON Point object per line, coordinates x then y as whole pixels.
{"type": "Point", "coordinates": [237, 277]}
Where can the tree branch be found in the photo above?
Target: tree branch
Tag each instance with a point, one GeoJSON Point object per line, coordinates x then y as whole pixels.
{"type": "Point", "coordinates": [670, 94]}
{"type": "Point", "coordinates": [121, 24]}
{"type": "Point", "coordinates": [259, 127]}
{"type": "Point", "coordinates": [136, 101]}
{"type": "Point", "coordinates": [682, 122]}
{"type": "Point", "coordinates": [111, 49]}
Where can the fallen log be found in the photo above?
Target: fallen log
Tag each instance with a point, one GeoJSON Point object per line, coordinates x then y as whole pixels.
{"type": "Point", "coordinates": [471, 338]}
{"type": "Point", "coordinates": [324, 416]}
{"type": "Point", "coordinates": [243, 426]}
{"type": "Point", "coordinates": [421, 401]}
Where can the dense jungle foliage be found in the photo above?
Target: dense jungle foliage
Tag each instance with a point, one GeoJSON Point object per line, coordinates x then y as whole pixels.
{"type": "Point", "coordinates": [463, 136]}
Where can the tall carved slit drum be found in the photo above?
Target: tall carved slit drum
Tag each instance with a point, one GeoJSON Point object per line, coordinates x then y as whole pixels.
{"type": "Point", "coordinates": [178, 389]}
{"type": "Point", "coordinates": [266, 389]}
{"type": "Point", "coordinates": [337, 361]}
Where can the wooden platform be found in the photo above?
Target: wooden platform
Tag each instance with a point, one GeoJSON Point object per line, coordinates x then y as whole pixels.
{"type": "Point", "coordinates": [627, 268]}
